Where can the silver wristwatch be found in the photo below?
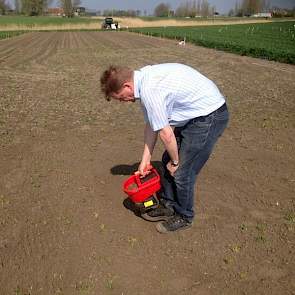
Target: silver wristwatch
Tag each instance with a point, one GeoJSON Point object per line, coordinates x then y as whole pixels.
{"type": "Point", "coordinates": [174, 163]}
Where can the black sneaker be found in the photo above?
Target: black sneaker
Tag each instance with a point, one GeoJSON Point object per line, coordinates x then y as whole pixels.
{"type": "Point", "coordinates": [159, 213]}
{"type": "Point", "coordinates": [174, 223]}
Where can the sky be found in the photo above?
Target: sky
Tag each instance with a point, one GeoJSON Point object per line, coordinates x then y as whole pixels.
{"type": "Point", "coordinates": [222, 6]}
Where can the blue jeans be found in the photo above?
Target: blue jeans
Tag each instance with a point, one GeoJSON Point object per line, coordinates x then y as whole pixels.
{"type": "Point", "coordinates": [195, 143]}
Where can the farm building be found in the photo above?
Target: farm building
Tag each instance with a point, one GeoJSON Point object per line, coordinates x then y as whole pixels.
{"type": "Point", "coordinates": [55, 11]}
{"type": "Point", "coordinates": [79, 11]}
{"type": "Point", "coordinates": [263, 14]}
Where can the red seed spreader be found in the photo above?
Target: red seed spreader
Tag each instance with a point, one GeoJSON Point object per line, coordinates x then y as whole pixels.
{"type": "Point", "coordinates": [142, 190]}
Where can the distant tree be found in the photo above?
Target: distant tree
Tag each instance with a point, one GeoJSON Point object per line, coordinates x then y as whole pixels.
{"type": "Point", "coordinates": [195, 8]}
{"type": "Point", "coordinates": [252, 6]}
{"type": "Point", "coordinates": [162, 10]}
{"type": "Point", "coordinates": [204, 8]}
{"type": "Point", "coordinates": [114, 12]}
{"type": "Point", "coordinates": [249, 7]}
{"type": "Point", "coordinates": [76, 3]}
{"type": "Point", "coordinates": [68, 6]}
{"type": "Point", "coordinates": [199, 7]}
{"type": "Point", "coordinates": [171, 13]}
{"type": "Point", "coordinates": [186, 9]}
{"type": "Point", "coordinates": [237, 8]}
{"type": "Point", "coordinates": [17, 5]}
{"type": "Point", "coordinates": [231, 12]}
{"type": "Point", "coordinates": [212, 11]}
{"type": "Point", "coordinates": [33, 7]}
{"type": "Point", "coordinates": [265, 5]}
{"type": "Point", "coordinates": [283, 12]}
{"type": "Point", "coordinates": [131, 13]}
{"type": "Point", "coordinates": [180, 11]}
{"type": "Point", "coordinates": [107, 12]}
{"type": "Point", "coordinates": [4, 6]}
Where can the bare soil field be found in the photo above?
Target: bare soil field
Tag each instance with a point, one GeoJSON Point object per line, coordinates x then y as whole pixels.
{"type": "Point", "coordinates": [65, 151]}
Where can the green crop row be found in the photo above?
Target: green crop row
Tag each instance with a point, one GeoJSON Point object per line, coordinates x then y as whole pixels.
{"type": "Point", "coordinates": [9, 34]}
{"type": "Point", "coordinates": [273, 41]}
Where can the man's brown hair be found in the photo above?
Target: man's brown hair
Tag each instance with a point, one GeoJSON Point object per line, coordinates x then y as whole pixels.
{"type": "Point", "coordinates": [113, 78]}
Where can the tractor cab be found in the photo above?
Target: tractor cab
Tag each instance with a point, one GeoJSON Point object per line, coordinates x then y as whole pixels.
{"type": "Point", "coordinates": [109, 24]}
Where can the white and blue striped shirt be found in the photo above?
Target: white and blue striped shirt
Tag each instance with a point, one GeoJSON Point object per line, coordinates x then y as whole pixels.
{"type": "Point", "coordinates": [172, 94]}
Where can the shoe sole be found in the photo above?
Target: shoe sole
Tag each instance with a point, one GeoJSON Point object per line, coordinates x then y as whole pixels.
{"type": "Point", "coordinates": [145, 216]}
{"type": "Point", "coordinates": [161, 229]}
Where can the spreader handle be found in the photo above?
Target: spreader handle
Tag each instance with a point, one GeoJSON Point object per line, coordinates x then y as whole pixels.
{"type": "Point", "coordinates": [148, 168]}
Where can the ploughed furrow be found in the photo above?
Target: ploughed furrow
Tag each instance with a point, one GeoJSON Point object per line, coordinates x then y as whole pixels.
{"type": "Point", "coordinates": [64, 41]}
{"type": "Point", "coordinates": [38, 47]}
{"type": "Point", "coordinates": [85, 40]}
{"type": "Point", "coordinates": [23, 48]}
{"type": "Point", "coordinates": [14, 41]}
{"type": "Point", "coordinates": [126, 40]}
{"type": "Point", "coordinates": [11, 48]}
{"type": "Point", "coordinates": [4, 54]}
{"type": "Point", "coordinates": [35, 48]}
{"type": "Point", "coordinates": [67, 40]}
{"type": "Point", "coordinates": [112, 40]}
{"type": "Point", "coordinates": [97, 39]}
{"type": "Point", "coordinates": [74, 40]}
{"type": "Point", "coordinates": [50, 47]}
{"type": "Point", "coordinates": [43, 47]}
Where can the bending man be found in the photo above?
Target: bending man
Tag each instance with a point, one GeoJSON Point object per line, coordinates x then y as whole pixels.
{"type": "Point", "coordinates": [189, 113]}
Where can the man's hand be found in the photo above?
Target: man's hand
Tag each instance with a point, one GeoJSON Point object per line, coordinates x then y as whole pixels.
{"type": "Point", "coordinates": [144, 168]}
{"type": "Point", "coordinates": [171, 168]}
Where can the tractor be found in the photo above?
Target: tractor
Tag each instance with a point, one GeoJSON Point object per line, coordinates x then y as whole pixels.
{"type": "Point", "coordinates": [109, 24]}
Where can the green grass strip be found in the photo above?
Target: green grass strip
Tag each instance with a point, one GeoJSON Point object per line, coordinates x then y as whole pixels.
{"type": "Point", "coordinates": [272, 41]}
{"type": "Point", "coordinates": [32, 21]}
{"type": "Point", "coordinates": [9, 34]}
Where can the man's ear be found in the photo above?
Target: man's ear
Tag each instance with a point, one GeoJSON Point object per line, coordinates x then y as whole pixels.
{"type": "Point", "coordinates": [128, 84]}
